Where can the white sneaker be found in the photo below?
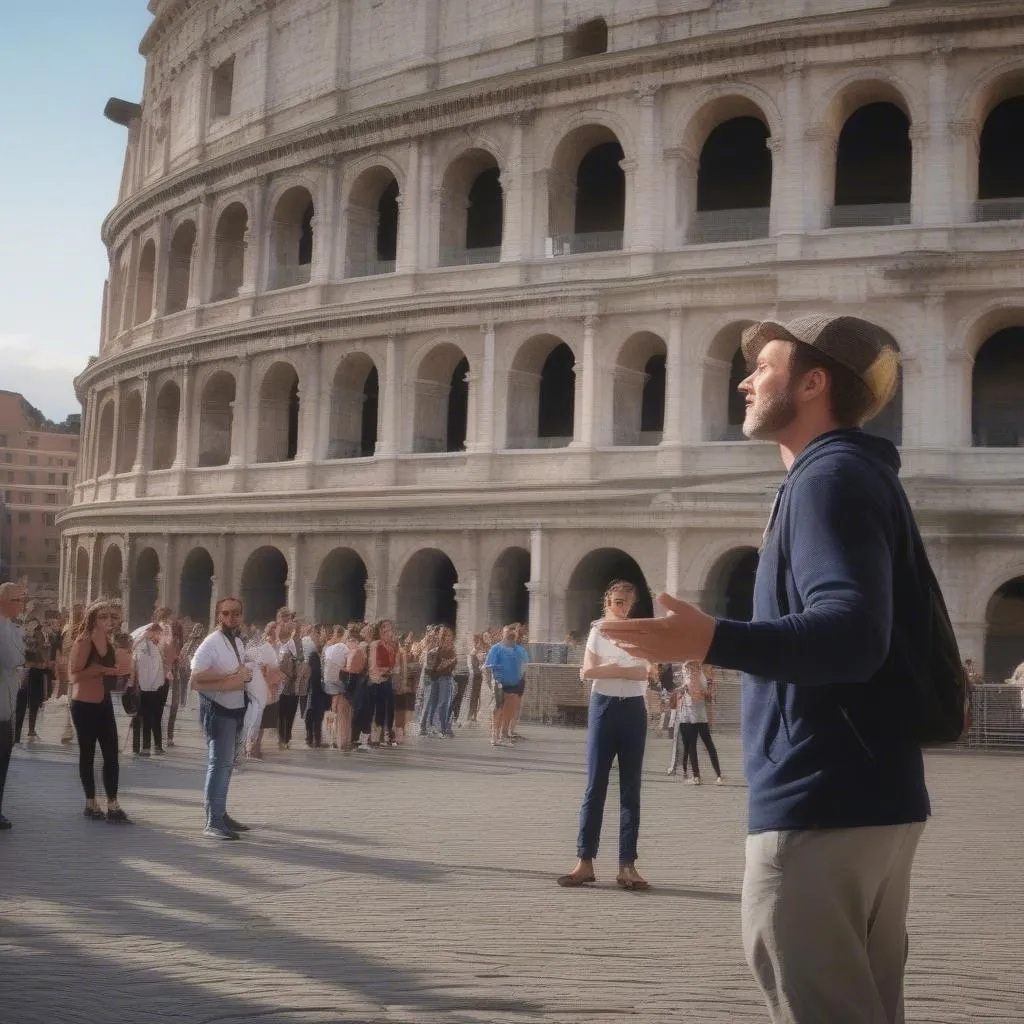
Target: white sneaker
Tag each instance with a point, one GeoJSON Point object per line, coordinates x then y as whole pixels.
{"type": "Point", "coordinates": [695, 781]}
{"type": "Point", "coordinates": [719, 781]}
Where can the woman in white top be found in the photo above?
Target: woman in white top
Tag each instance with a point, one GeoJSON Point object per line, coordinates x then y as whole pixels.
{"type": "Point", "coordinates": [262, 659]}
{"type": "Point", "coordinates": [148, 676]}
{"type": "Point", "coordinates": [616, 727]}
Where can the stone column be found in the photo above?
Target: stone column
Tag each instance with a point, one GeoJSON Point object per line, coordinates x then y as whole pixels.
{"type": "Point", "coordinates": [388, 444]}
{"type": "Point", "coordinates": [240, 414]}
{"type": "Point", "coordinates": [517, 241]}
{"type": "Point", "coordinates": [963, 139]}
{"type": "Point", "coordinates": [587, 375]}
{"type": "Point", "coordinates": [309, 379]}
{"type": "Point", "coordinates": [182, 451]}
{"type": "Point", "coordinates": [820, 146]}
{"type": "Point", "coordinates": [409, 212]}
{"type": "Point", "coordinates": [143, 455]}
{"type": "Point", "coordinates": [465, 611]}
{"type": "Point", "coordinates": [168, 576]}
{"type": "Point", "coordinates": [932, 175]}
{"type": "Point", "coordinates": [486, 408]}
{"type": "Point", "coordinates": [537, 587]}
{"type": "Point", "coordinates": [87, 448]}
{"type": "Point", "coordinates": [94, 570]}
{"type": "Point", "coordinates": [788, 159]}
{"type": "Point", "coordinates": [646, 224]}
{"type": "Point", "coordinates": [680, 193]}
{"type": "Point", "coordinates": [422, 209]}
{"type": "Point", "coordinates": [200, 271]}
{"type": "Point", "coordinates": [672, 431]}
{"type": "Point", "coordinates": [115, 442]}
{"type": "Point", "coordinates": [371, 593]}
{"type": "Point", "coordinates": [294, 580]}
{"type": "Point", "coordinates": [252, 275]}
{"type": "Point", "coordinates": [325, 225]}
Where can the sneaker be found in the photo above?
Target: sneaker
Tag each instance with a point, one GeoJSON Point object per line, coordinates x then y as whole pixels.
{"type": "Point", "coordinates": [719, 781]}
{"type": "Point", "coordinates": [215, 830]}
{"type": "Point", "coordinates": [235, 826]}
{"type": "Point", "coordinates": [670, 771]}
{"type": "Point", "coordinates": [695, 781]}
{"type": "Point", "coordinates": [118, 816]}
{"type": "Point", "coordinates": [33, 736]}
{"type": "Point", "coordinates": [169, 744]}
{"type": "Point", "coordinates": [159, 750]}
{"type": "Point", "coordinates": [144, 753]}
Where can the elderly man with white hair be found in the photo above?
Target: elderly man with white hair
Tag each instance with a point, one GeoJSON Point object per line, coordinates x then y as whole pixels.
{"type": "Point", "coordinates": [12, 668]}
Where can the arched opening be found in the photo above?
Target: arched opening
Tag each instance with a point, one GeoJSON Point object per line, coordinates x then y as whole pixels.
{"type": "Point", "coordinates": [508, 600]}
{"type": "Point", "coordinates": [734, 181]}
{"type": "Point", "coordinates": [145, 282]}
{"type": "Point", "coordinates": [1004, 631]}
{"type": "Point", "coordinates": [442, 401]}
{"type": "Point", "coordinates": [145, 588]}
{"type": "Point", "coordinates": [1001, 162]}
{"type": "Point", "coordinates": [472, 210]}
{"type": "Point", "coordinates": [729, 589]}
{"type": "Point", "coordinates": [371, 245]}
{"type": "Point", "coordinates": [81, 576]}
{"type": "Point", "coordinates": [130, 429]}
{"type": "Point", "coordinates": [278, 430]}
{"type": "Point", "coordinates": [215, 418]}
{"type": "Point", "coordinates": [584, 598]}
{"type": "Point", "coordinates": [722, 405]}
{"type": "Point", "coordinates": [179, 266]}
{"type": "Point", "coordinates": [873, 168]}
{"type": "Point", "coordinates": [291, 239]}
{"type": "Point", "coordinates": [426, 591]}
{"type": "Point", "coordinates": [587, 193]}
{"type": "Point", "coordinates": [997, 387]}
{"type": "Point", "coordinates": [542, 394]}
{"type": "Point", "coordinates": [229, 240]}
{"type": "Point", "coordinates": [264, 585]}
{"type": "Point", "coordinates": [105, 440]}
{"type": "Point", "coordinates": [638, 405]}
{"type": "Point", "coordinates": [587, 39]}
{"type": "Point", "coordinates": [165, 432]}
{"type": "Point", "coordinates": [355, 398]}
{"type": "Point", "coordinates": [340, 589]}
{"type": "Point", "coordinates": [111, 572]}
{"type": "Point", "coordinates": [195, 591]}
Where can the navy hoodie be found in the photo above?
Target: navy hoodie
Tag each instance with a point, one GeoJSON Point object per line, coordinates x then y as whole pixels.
{"type": "Point", "coordinates": [825, 744]}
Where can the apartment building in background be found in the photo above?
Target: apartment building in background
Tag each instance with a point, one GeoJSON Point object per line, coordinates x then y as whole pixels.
{"type": "Point", "coordinates": [37, 469]}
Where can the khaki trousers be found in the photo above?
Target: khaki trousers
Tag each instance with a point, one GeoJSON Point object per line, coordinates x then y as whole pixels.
{"type": "Point", "coordinates": [824, 922]}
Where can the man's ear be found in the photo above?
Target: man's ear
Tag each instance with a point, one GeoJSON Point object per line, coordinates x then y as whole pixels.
{"type": "Point", "coordinates": [814, 384]}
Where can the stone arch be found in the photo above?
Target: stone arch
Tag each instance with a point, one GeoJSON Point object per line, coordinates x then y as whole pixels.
{"type": "Point", "coordinates": [472, 209]}
{"type": "Point", "coordinates": [725, 177]}
{"type": "Point", "coordinates": [1004, 631]}
{"type": "Point", "coordinates": [216, 406]}
{"type": "Point", "coordinates": [440, 418]}
{"type": "Point", "coordinates": [81, 576]}
{"type": "Point", "coordinates": [728, 590]}
{"type": "Point", "coordinates": [195, 588]}
{"type": "Point", "coordinates": [112, 573]}
{"type": "Point", "coordinates": [105, 439]}
{"type": "Point", "coordinates": [145, 282]}
{"type": "Point", "coordinates": [291, 238]}
{"type": "Point", "coordinates": [355, 401]}
{"type": "Point", "coordinates": [277, 436]}
{"type": "Point", "coordinates": [426, 591]}
{"type": "Point", "coordinates": [1000, 168]}
{"type": "Point", "coordinates": [129, 430]}
{"type": "Point", "coordinates": [724, 367]}
{"type": "Point", "coordinates": [589, 580]}
{"type": "Point", "coordinates": [179, 266]}
{"type": "Point", "coordinates": [508, 599]}
{"type": "Point", "coordinates": [638, 398]}
{"type": "Point", "coordinates": [372, 212]}
{"type": "Point", "coordinates": [587, 189]}
{"type": "Point", "coordinates": [229, 244]}
{"type": "Point", "coordinates": [997, 384]}
{"type": "Point", "coordinates": [339, 594]}
{"type": "Point", "coordinates": [264, 584]}
{"type": "Point", "coordinates": [165, 425]}
{"type": "Point", "coordinates": [542, 394]}
{"type": "Point", "coordinates": [145, 588]}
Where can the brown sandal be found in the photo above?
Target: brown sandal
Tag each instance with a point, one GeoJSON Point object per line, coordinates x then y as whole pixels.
{"type": "Point", "coordinates": [574, 881]}
{"type": "Point", "coordinates": [636, 884]}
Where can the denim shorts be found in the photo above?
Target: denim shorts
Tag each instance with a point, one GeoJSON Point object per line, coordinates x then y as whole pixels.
{"type": "Point", "coordinates": [515, 690]}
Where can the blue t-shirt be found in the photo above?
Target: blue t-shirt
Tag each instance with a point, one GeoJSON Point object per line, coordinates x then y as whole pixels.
{"type": "Point", "coordinates": [507, 663]}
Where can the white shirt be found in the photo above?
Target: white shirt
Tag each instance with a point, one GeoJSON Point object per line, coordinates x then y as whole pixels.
{"type": "Point", "coordinates": [335, 658]}
{"type": "Point", "coordinates": [149, 664]}
{"type": "Point", "coordinates": [215, 653]}
{"type": "Point", "coordinates": [607, 651]}
{"type": "Point", "coordinates": [693, 707]}
{"type": "Point", "coordinates": [257, 658]}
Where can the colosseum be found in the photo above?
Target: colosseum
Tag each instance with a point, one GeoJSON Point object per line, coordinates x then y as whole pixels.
{"type": "Point", "coordinates": [431, 308]}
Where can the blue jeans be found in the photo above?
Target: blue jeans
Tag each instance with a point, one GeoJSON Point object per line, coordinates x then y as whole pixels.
{"type": "Point", "coordinates": [444, 687]}
{"type": "Point", "coordinates": [616, 727]}
{"type": "Point", "coordinates": [428, 704]}
{"type": "Point", "coordinates": [221, 733]}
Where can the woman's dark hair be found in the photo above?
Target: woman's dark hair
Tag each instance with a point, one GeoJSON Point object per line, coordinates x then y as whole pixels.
{"type": "Point", "coordinates": [849, 398]}
{"type": "Point", "coordinates": [88, 623]}
{"type": "Point", "coordinates": [617, 585]}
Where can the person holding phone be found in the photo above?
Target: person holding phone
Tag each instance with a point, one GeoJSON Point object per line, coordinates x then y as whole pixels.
{"type": "Point", "coordinates": [219, 677]}
{"type": "Point", "coordinates": [95, 666]}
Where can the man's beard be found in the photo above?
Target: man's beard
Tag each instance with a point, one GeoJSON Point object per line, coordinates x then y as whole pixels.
{"type": "Point", "coordinates": [769, 414]}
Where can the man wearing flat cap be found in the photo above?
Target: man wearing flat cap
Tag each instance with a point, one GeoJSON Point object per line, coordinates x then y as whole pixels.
{"type": "Point", "coordinates": [837, 797]}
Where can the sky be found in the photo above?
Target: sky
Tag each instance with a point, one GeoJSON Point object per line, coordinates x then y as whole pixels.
{"type": "Point", "coordinates": [60, 167]}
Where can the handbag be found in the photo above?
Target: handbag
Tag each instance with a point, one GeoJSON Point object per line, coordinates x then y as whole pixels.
{"type": "Point", "coordinates": [130, 701]}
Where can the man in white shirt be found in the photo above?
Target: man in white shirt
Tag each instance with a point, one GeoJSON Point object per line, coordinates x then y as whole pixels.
{"type": "Point", "coordinates": [12, 668]}
{"type": "Point", "coordinates": [148, 676]}
{"type": "Point", "coordinates": [219, 677]}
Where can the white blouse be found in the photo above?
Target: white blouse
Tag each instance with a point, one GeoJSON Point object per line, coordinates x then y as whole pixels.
{"type": "Point", "coordinates": [607, 651]}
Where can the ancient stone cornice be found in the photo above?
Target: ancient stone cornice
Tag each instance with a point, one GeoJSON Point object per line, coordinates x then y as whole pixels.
{"type": "Point", "coordinates": [506, 94]}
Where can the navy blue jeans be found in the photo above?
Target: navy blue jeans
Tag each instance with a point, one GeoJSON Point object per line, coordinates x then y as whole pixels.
{"type": "Point", "coordinates": [616, 727]}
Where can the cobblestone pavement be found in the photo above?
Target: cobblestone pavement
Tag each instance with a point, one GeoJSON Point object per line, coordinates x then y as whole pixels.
{"type": "Point", "coordinates": [417, 885]}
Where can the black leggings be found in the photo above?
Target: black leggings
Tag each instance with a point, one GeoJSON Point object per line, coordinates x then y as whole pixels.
{"type": "Point", "coordinates": [384, 708]}
{"type": "Point", "coordinates": [147, 724]}
{"type": "Point", "coordinates": [30, 698]}
{"type": "Point", "coordinates": [287, 705]}
{"type": "Point", "coordinates": [690, 731]}
{"type": "Point", "coordinates": [94, 724]}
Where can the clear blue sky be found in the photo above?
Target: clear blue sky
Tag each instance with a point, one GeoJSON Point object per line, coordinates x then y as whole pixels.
{"type": "Point", "coordinates": [60, 166]}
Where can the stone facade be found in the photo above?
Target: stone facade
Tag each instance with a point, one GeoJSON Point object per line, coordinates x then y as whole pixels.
{"type": "Point", "coordinates": [425, 308]}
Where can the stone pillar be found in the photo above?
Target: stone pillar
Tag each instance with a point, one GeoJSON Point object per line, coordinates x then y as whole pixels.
{"type": "Point", "coordinates": [587, 376]}
{"type": "Point", "coordinates": [465, 611]}
{"type": "Point", "coordinates": [86, 469]}
{"type": "Point", "coordinates": [680, 193]}
{"type": "Point", "coordinates": [932, 175]}
{"type": "Point", "coordinates": [517, 236]}
{"type": "Point", "coordinates": [537, 587]}
{"type": "Point", "coordinates": [672, 546]}
{"type": "Point", "coordinates": [486, 407]}
{"type": "Point", "coordinates": [672, 432]}
{"type": "Point", "coordinates": [820, 146]}
{"type": "Point", "coordinates": [143, 454]}
{"type": "Point", "coordinates": [371, 593]}
{"type": "Point", "coordinates": [646, 223]}
{"type": "Point", "coordinates": [182, 451]}
{"type": "Point", "coordinates": [294, 581]}
{"type": "Point", "coordinates": [161, 265]}
{"type": "Point", "coordinates": [200, 271]}
{"type": "Point", "coordinates": [309, 379]}
{"type": "Point", "coordinates": [963, 139]}
{"type": "Point", "coordinates": [240, 414]}
{"type": "Point", "coordinates": [94, 570]}
{"type": "Point", "coordinates": [388, 444]}
{"type": "Point", "coordinates": [423, 209]}
{"type": "Point", "coordinates": [115, 442]}
{"type": "Point", "coordinates": [409, 212]}
{"type": "Point", "coordinates": [788, 159]}
{"type": "Point", "coordinates": [252, 275]}
{"type": "Point", "coordinates": [325, 225]}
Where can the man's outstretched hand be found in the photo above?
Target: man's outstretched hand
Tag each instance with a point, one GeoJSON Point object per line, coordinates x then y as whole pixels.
{"type": "Point", "coordinates": [684, 634]}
